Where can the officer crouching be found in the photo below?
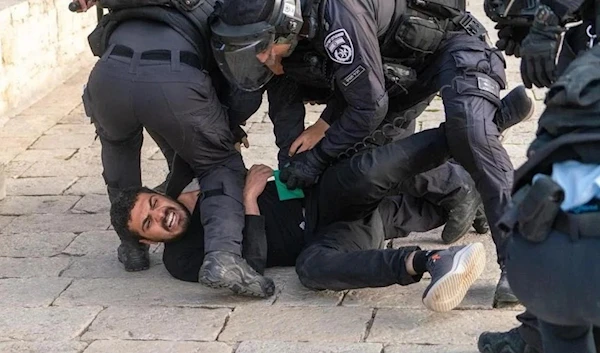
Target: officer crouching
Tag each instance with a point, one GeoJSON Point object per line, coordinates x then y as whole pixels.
{"type": "Point", "coordinates": [156, 72]}
{"type": "Point", "coordinates": [555, 216]}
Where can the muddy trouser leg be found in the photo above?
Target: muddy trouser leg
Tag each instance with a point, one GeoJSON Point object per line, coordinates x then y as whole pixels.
{"type": "Point", "coordinates": [286, 111]}
{"type": "Point", "coordinates": [359, 183]}
{"type": "Point", "coordinates": [470, 76]}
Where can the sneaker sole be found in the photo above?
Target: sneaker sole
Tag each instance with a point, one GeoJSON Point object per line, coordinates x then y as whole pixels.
{"type": "Point", "coordinates": [451, 289]}
{"type": "Point", "coordinates": [252, 290]}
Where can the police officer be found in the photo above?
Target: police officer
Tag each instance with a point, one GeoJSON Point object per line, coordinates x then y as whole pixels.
{"type": "Point", "coordinates": [540, 70]}
{"type": "Point", "coordinates": [156, 71]}
{"type": "Point", "coordinates": [556, 215]}
{"type": "Point", "coordinates": [534, 34]}
{"type": "Point", "coordinates": [448, 185]}
{"type": "Point", "coordinates": [438, 39]}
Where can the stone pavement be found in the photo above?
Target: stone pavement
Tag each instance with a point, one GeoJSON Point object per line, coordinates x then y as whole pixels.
{"type": "Point", "coordinates": [62, 289]}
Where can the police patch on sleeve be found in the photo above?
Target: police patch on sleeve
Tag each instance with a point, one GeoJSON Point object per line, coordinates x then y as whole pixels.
{"type": "Point", "coordinates": [339, 47]}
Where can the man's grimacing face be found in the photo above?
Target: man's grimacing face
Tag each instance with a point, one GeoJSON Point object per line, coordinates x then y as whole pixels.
{"type": "Point", "coordinates": [158, 218]}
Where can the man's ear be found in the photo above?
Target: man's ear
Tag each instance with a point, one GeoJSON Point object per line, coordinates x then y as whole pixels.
{"type": "Point", "coordinates": [148, 242]}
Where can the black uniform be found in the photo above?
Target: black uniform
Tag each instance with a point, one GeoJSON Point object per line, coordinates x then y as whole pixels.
{"type": "Point", "coordinates": [323, 241]}
{"type": "Point", "coordinates": [576, 40]}
{"type": "Point", "coordinates": [358, 36]}
{"type": "Point", "coordinates": [287, 99]}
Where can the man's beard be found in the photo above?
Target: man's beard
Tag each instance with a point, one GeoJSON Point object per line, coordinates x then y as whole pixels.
{"type": "Point", "coordinates": [185, 222]}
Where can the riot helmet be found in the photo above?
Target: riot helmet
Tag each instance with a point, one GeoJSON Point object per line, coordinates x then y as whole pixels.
{"type": "Point", "coordinates": [243, 29]}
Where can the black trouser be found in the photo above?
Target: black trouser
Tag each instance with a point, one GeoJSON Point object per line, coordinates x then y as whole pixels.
{"type": "Point", "coordinates": [179, 103]}
{"type": "Point", "coordinates": [468, 75]}
{"type": "Point", "coordinates": [364, 215]}
{"type": "Point", "coordinates": [560, 287]}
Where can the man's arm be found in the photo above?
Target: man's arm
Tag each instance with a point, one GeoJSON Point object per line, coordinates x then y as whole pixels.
{"type": "Point", "coordinates": [352, 44]}
{"type": "Point", "coordinates": [255, 236]}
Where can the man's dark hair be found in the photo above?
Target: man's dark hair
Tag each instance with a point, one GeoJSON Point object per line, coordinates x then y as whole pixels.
{"type": "Point", "coordinates": [120, 210]}
{"type": "Point", "coordinates": [243, 12]}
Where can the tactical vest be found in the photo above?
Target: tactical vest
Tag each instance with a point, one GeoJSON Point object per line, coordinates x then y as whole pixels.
{"type": "Point", "coordinates": [188, 17]}
{"type": "Point", "coordinates": [569, 128]}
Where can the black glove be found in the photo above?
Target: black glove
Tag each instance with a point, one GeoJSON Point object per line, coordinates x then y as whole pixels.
{"type": "Point", "coordinates": [539, 49]}
{"type": "Point", "coordinates": [304, 169]}
{"type": "Point", "coordinates": [510, 38]}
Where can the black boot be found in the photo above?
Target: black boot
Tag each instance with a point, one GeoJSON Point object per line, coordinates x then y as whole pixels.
{"type": "Point", "coordinates": [516, 107]}
{"type": "Point", "coordinates": [461, 213]}
{"type": "Point", "coordinates": [480, 223]}
{"type": "Point", "coordinates": [223, 269]}
{"type": "Point", "coordinates": [504, 294]}
{"type": "Point", "coordinates": [503, 342]}
{"type": "Point", "coordinates": [134, 256]}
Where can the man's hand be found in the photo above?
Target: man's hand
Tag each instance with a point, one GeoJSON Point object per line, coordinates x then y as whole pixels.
{"type": "Point", "coordinates": [244, 141]}
{"type": "Point", "coordinates": [256, 181]}
{"type": "Point", "coordinates": [510, 38]}
{"type": "Point", "coordinates": [304, 170]}
{"type": "Point", "coordinates": [85, 5]}
{"type": "Point", "coordinates": [309, 137]}
{"type": "Point", "coordinates": [539, 49]}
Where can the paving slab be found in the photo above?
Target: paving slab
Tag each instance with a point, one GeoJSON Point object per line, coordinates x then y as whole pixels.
{"type": "Point", "coordinates": [421, 326]}
{"type": "Point", "coordinates": [30, 292]}
{"type": "Point", "coordinates": [15, 168]}
{"type": "Point", "coordinates": [17, 142]}
{"type": "Point", "coordinates": [157, 347]}
{"type": "Point", "coordinates": [19, 127]}
{"type": "Point", "coordinates": [480, 296]}
{"type": "Point", "coordinates": [92, 204]}
{"type": "Point", "coordinates": [66, 130]}
{"type": "Point", "coordinates": [42, 347]}
{"type": "Point", "coordinates": [428, 348]}
{"type": "Point", "coordinates": [157, 323]}
{"type": "Point", "coordinates": [22, 205]}
{"type": "Point", "coordinates": [32, 155]}
{"type": "Point", "coordinates": [87, 185]}
{"type": "Point", "coordinates": [45, 324]}
{"type": "Point", "coordinates": [59, 223]}
{"type": "Point", "coordinates": [34, 244]}
{"type": "Point", "coordinates": [5, 220]}
{"type": "Point", "coordinates": [306, 347]}
{"type": "Point", "coordinates": [108, 266]}
{"type": "Point", "coordinates": [32, 266]}
{"type": "Point", "coordinates": [314, 324]}
{"type": "Point", "coordinates": [148, 291]}
{"type": "Point", "coordinates": [94, 243]}
{"type": "Point", "coordinates": [38, 186]}
{"type": "Point", "coordinates": [293, 293]}
{"type": "Point", "coordinates": [69, 168]}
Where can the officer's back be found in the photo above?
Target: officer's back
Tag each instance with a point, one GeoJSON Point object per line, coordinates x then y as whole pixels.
{"type": "Point", "coordinates": [142, 35]}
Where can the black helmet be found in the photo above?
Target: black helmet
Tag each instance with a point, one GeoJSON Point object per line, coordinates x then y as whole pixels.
{"type": "Point", "coordinates": [241, 29]}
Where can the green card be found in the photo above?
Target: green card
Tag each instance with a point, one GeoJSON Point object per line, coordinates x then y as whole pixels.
{"type": "Point", "coordinates": [285, 193]}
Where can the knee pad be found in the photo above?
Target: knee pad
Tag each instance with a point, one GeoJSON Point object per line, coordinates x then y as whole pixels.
{"type": "Point", "coordinates": [478, 84]}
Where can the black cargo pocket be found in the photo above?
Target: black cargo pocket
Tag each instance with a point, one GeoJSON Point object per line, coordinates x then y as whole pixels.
{"type": "Point", "coordinates": [419, 34]}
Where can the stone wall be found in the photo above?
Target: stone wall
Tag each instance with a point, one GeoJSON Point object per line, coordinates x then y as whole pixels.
{"type": "Point", "coordinates": [42, 44]}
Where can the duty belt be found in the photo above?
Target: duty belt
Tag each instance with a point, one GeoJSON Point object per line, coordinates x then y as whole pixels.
{"type": "Point", "coordinates": [577, 226]}
{"type": "Point", "coordinates": [185, 57]}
